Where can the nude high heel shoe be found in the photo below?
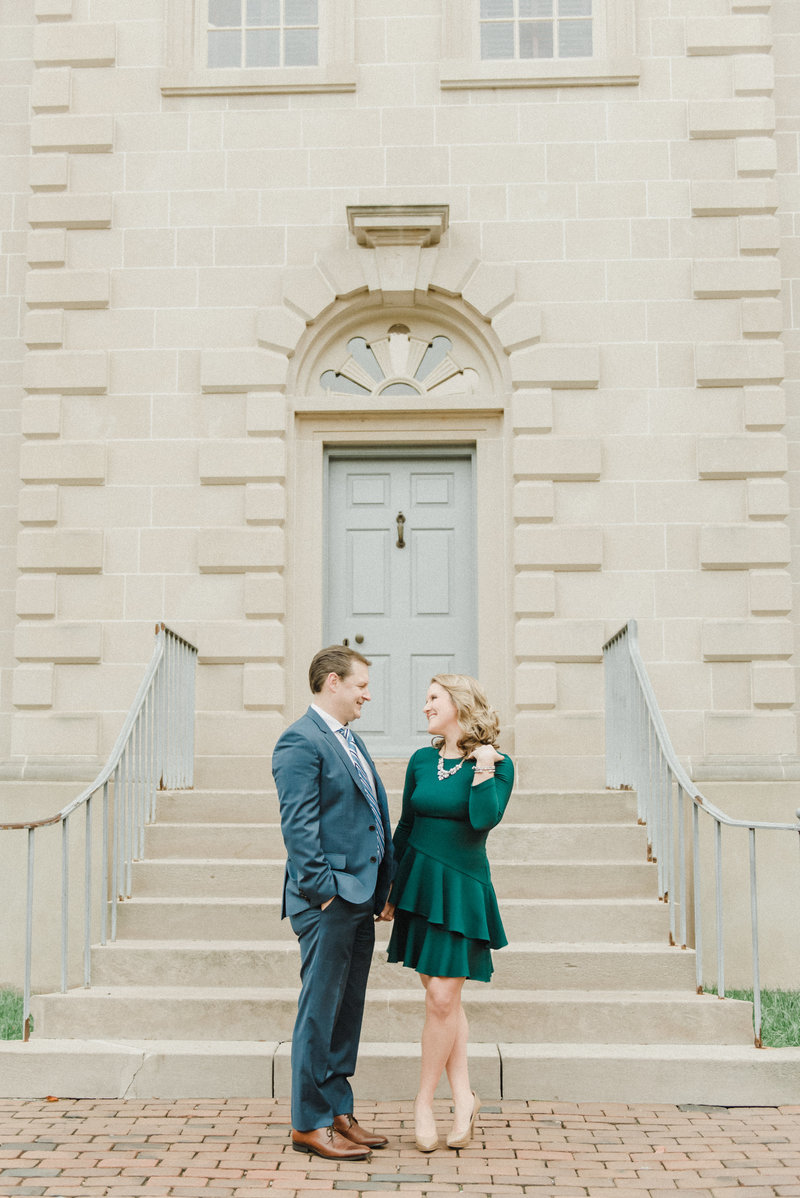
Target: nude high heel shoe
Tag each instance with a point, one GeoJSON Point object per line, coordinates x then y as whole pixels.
{"type": "Point", "coordinates": [461, 1139]}
{"type": "Point", "coordinates": [424, 1143]}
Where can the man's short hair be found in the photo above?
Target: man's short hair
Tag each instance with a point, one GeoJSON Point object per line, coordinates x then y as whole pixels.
{"type": "Point", "coordinates": [336, 659]}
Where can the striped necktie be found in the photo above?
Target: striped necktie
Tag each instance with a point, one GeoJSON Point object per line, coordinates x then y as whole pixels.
{"type": "Point", "coordinates": [369, 789]}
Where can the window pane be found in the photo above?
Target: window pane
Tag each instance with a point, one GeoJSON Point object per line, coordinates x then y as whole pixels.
{"type": "Point", "coordinates": [301, 12]}
{"type": "Point", "coordinates": [492, 9]}
{"type": "Point", "coordinates": [263, 12]}
{"type": "Point", "coordinates": [224, 12]}
{"type": "Point", "coordinates": [574, 39]}
{"type": "Point", "coordinates": [497, 41]}
{"type": "Point", "coordinates": [300, 47]}
{"type": "Point", "coordinates": [263, 48]}
{"type": "Point", "coordinates": [536, 8]}
{"type": "Point", "coordinates": [224, 48]}
{"type": "Point", "coordinates": [362, 353]}
{"type": "Point", "coordinates": [536, 39]}
{"type": "Point", "coordinates": [574, 8]}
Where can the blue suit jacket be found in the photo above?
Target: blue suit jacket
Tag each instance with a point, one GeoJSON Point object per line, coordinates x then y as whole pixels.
{"type": "Point", "coordinates": [327, 824]}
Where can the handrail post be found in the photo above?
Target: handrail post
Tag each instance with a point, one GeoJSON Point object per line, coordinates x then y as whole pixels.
{"type": "Point", "coordinates": [26, 998]}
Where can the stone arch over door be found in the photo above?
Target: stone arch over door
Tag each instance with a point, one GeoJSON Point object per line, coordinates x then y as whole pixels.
{"type": "Point", "coordinates": [397, 272]}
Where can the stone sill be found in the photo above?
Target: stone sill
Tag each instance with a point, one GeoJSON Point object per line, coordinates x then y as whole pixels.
{"type": "Point", "coordinates": [574, 72]}
{"type": "Point", "coordinates": [372, 405]}
{"type": "Point", "coordinates": [244, 82]}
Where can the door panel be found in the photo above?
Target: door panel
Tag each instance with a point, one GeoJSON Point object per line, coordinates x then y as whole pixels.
{"type": "Point", "coordinates": [414, 605]}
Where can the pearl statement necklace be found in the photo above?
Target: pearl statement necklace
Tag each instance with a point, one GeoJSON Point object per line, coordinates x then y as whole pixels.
{"type": "Point", "coordinates": [441, 772]}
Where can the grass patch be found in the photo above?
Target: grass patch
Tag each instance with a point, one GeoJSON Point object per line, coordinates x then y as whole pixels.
{"type": "Point", "coordinates": [11, 1003]}
{"type": "Point", "coordinates": [780, 1015]}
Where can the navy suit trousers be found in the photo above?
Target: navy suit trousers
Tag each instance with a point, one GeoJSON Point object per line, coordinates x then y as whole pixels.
{"type": "Point", "coordinates": [336, 947]}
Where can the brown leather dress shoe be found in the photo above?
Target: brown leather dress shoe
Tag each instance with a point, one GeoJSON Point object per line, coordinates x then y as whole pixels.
{"type": "Point", "coordinates": [349, 1127]}
{"type": "Point", "coordinates": [325, 1141]}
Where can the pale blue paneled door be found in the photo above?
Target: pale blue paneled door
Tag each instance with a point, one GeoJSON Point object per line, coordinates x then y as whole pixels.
{"type": "Point", "coordinates": [401, 582]}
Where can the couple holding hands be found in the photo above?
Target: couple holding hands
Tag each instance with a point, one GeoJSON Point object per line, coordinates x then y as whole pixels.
{"type": "Point", "coordinates": [345, 871]}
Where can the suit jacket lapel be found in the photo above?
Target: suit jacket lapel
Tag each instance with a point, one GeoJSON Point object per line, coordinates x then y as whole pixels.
{"type": "Point", "coordinates": [341, 748]}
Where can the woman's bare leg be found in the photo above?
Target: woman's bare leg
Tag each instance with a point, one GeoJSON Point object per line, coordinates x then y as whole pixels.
{"type": "Point", "coordinates": [444, 1047]}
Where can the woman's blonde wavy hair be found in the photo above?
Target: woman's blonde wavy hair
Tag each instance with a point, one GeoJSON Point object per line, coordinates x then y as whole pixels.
{"type": "Point", "coordinates": [478, 720]}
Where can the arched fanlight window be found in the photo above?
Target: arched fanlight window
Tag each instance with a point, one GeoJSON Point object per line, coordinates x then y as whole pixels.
{"type": "Point", "coordinates": [399, 364]}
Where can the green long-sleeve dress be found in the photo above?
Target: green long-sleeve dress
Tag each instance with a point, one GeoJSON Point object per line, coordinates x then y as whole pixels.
{"type": "Point", "coordinates": [446, 914]}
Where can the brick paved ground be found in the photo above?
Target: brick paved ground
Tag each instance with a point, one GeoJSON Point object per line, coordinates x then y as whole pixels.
{"type": "Point", "coordinates": [237, 1149]}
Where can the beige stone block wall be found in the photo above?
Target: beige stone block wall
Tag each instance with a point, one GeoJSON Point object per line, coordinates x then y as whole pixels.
{"type": "Point", "coordinates": [621, 259]}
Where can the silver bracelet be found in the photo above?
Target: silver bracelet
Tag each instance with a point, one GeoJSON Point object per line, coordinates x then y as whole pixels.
{"type": "Point", "coordinates": [484, 769]}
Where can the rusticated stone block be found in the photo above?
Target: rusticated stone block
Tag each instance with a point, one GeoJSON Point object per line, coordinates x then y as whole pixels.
{"type": "Point", "coordinates": [770, 592]}
{"type": "Point", "coordinates": [744, 546]}
{"type": "Point", "coordinates": [746, 640]}
{"type": "Point", "coordinates": [41, 416]}
{"type": "Point", "coordinates": [490, 289]}
{"type": "Point", "coordinates": [518, 326]}
{"type": "Point", "coordinates": [764, 408]}
{"type": "Point", "coordinates": [738, 197]}
{"type": "Point", "coordinates": [79, 463]}
{"type": "Point", "coordinates": [240, 550]}
{"type": "Point", "coordinates": [73, 134]}
{"type": "Point", "coordinates": [89, 44]}
{"type": "Point", "coordinates": [753, 75]}
{"type": "Point", "coordinates": [741, 455]}
{"type": "Point", "coordinates": [767, 499]}
{"type": "Point", "coordinates": [263, 687]}
{"type": "Point", "coordinates": [756, 157]}
{"type": "Point", "coordinates": [762, 318]}
{"type": "Point", "coordinates": [728, 278]}
{"type": "Point", "coordinates": [345, 273]}
{"type": "Point", "coordinates": [266, 415]}
{"type": "Point", "coordinates": [223, 642]}
{"type": "Point", "coordinates": [534, 501]}
{"type": "Point", "coordinates": [67, 288]}
{"type": "Point", "coordinates": [452, 271]}
{"type": "Point", "coordinates": [765, 734]}
{"type": "Point", "coordinates": [83, 373]}
{"type": "Point", "coordinates": [560, 640]}
{"type": "Point", "coordinates": [51, 90]}
{"type": "Point", "coordinates": [773, 684]}
{"type": "Point", "coordinates": [265, 503]}
{"type": "Point", "coordinates": [242, 461]}
{"type": "Point", "coordinates": [264, 596]}
{"type": "Point", "coordinates": [536, 685]}
{"type": "Point", "coordinates": [48, 172]}
{"type": "Point", "coordinates": [70, 211]}
{"type": "Point", "coordinates": [47, 247]}
{"type": "Point", "coordinates": [47, 735]}
{"type": "Point", "coordinates": [558, 366]}
{"type": "Point", "coordinates": [65, 643]}
{"type": "Point", "coordinates": [728, 35]}
{"type": "Point", "coordinates": [68, 551]}
{"type": "Point", "coordinates": [566, 458]}
{"type": "Point", "coordinates": [759, 235]}
{"type": "Point", "coordinates": [38, 505]}
{"type": "Point", "coordinates": [33, 686]}
{"type": "Point", "coordinates": [36, 596]}
{"type": "Point", "coordinates": [242, 370]}
{"type": "Point", "coordinates": [558, 548]}
{"type": "Point", "coordinates": [738, 363]}
{"type": "Point", "coordinates": [532, 411]}
{"type": "Point", "coordinates": [44, 330]}
{"type": "Point", "coordinates": [53, 10]}
{"type": "Point", "coordinates": [731, 118]}
{"type": "Point", "coordinates": [534, 593]}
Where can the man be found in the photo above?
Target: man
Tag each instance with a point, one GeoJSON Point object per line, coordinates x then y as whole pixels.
{"type": "Point", "coordinates": [335, 824]}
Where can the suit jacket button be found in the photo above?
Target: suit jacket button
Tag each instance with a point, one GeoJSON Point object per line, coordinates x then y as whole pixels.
{"type": "Point", "coordinates": [373, 859]}
{"type": "Point", "coordinates": [372, 827]}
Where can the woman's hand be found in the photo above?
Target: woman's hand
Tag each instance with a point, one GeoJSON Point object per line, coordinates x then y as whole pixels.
{"type": "Point", "coordinates": [387, 914]}
{"type": "Point", "coordinates": [485, 758]}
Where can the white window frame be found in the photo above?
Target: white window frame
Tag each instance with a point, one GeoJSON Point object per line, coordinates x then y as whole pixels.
{"type": "Point", "coordinates": [187, 72]}
{"type": "Point", "coordinates": [613, 61]}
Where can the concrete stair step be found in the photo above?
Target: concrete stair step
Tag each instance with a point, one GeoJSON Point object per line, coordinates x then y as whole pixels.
{"type": "Point", "coordinates": [257, 1013]}
{"type": "Point", "coordinates": [276, 963]}
{"type": "Point", "coordinates": [528, 806]}
{"type": "Point", "coordinates": [176, 918]}
{"type": "Point", "coordinates": [510, 841]}
{"type": "Point", "coordinates": [148, 1068]}
{"type": "Point", "coordinates": [230, 878]}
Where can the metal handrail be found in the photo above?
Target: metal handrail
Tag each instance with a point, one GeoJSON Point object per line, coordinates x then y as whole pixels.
{"type": "Point", "coordinates": [639, 755]}
{"type": "Point", "coordinates": [154, 751]}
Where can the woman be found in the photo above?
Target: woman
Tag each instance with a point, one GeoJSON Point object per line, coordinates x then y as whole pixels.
{"type": "Point", "coordinates": [445, 911]}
